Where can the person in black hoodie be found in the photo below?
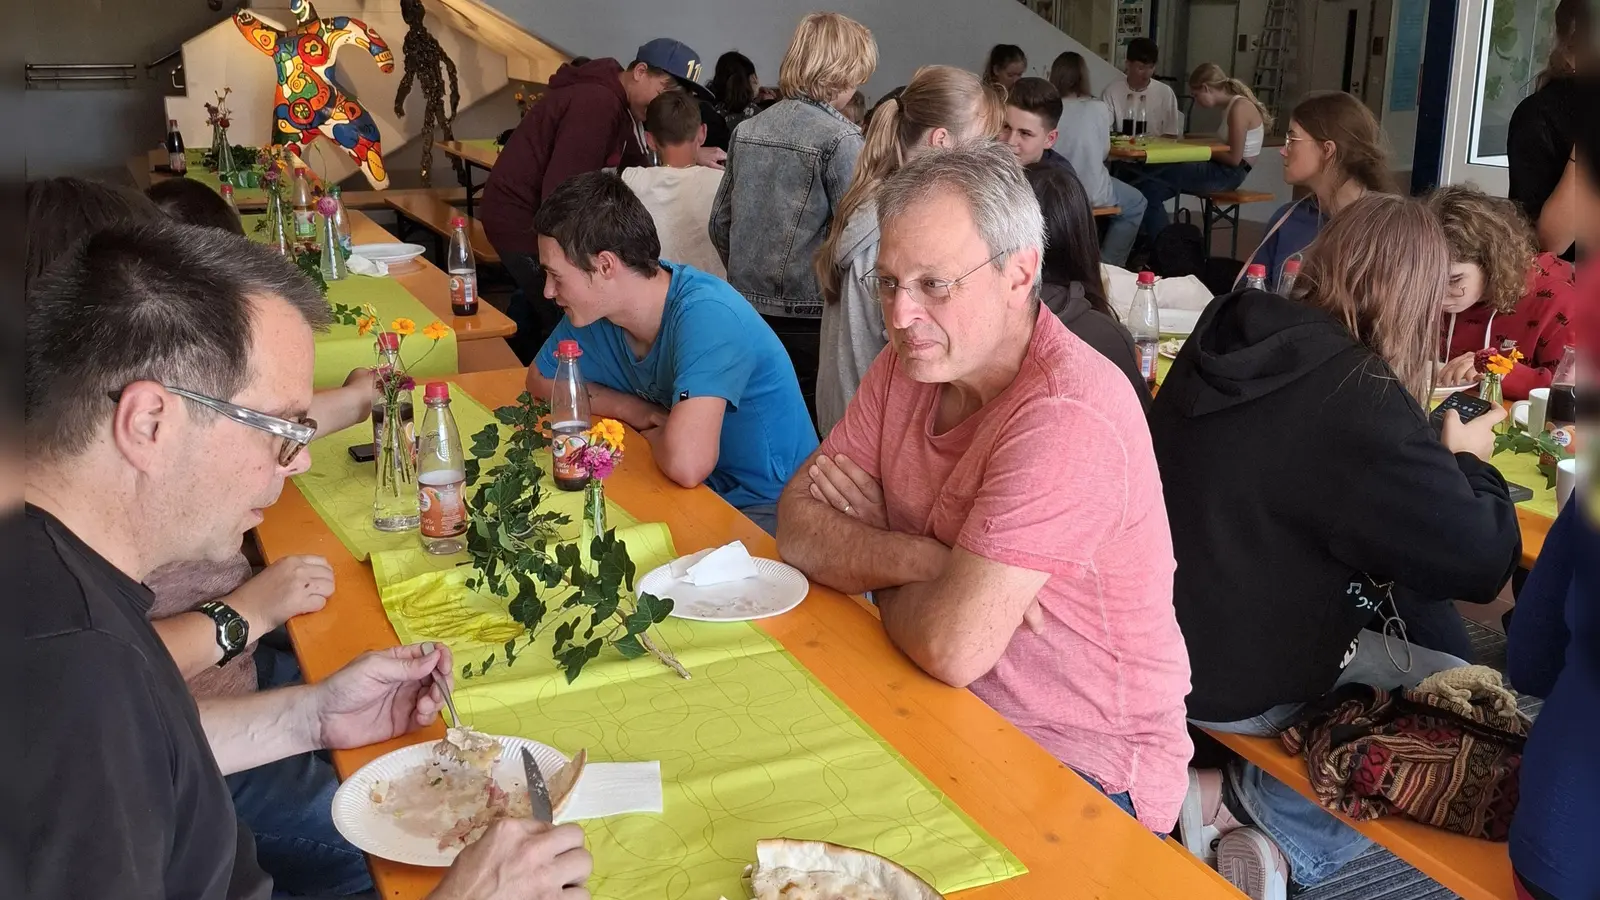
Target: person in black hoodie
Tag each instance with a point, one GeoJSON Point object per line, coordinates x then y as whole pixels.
{"type": "Point", "coordinates": [1072, 286]}
{"type": "Point", "coordinates": [1307, 493]}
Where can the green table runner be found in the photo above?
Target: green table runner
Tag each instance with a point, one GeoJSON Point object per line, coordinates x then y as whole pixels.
{"type": "Point", "coordinates": [483, 144]}
{"type": "Point", "coordinates": [1523, 469]}
{"type": "Point", "coordinates": [340, 490]}
{"type": "Point", "coordinates": [342, 348]}
{"type": "Point", "coordinates": [242, 196]}
{"type": "Point", "coordinates": [1158, 151]}
{"type": "Point", "coordinates": [751, 747]}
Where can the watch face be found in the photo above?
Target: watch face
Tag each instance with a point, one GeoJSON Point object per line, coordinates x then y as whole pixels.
{"type": "Point", "coordinates": [234, 633]}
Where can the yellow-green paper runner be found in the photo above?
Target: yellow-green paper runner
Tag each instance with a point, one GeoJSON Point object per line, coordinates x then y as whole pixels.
{"type": "Point", "coordinates": [342, 348]}
{"type": "Point", "coordinates": [1160, 152]}
{"type": "Point", "coordinates": [751, 747]}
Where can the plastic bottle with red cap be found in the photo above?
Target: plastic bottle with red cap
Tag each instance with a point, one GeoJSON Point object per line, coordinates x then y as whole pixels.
{"type": "Point", "coordinates": [1144, 325]}
{"type": "Point", "coordinates": [1290, 274]}
{"type": "Point", "coordinates": [1255, 276]}
{"type": "Point", "coordinates": [441, 475]}
{"type": "Point", "coordinates": [569, 418]}
{"type": "Point", "coordinates": [463, 271]}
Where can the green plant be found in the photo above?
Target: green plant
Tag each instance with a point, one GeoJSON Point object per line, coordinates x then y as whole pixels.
{"type": "Point", "coordinates": [1517, 440]}
{"type": "Point", "coordinates": [243, 157]}
{"type": "Point", "coordinates": [516, 555]}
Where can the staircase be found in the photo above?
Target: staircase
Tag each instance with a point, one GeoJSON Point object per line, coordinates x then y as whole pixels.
{"type": "Point", "coordinates": [1279, 33]}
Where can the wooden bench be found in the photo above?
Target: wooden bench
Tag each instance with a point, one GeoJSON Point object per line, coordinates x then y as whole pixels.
{"type": "Point", "coordinates": [485, 356]}
{"type": "Point", "coordinates": [1223, 206]}
{"type": "Point", "coordinates": [1475, 869]}
{"type": "Point", "coordinates": [434, 213]}
{"type": "Point", "coordinates": [378, 199]}
{"type": "Point", "coordinates": [1101, 211]}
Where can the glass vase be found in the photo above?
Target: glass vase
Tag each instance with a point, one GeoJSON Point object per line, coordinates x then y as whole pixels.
{"type": "Point", "coordinates": [394, 492]}
{"type": "Point", "coordinates": [594, 514]}
{"type": "Point", "coordinates": [1489, 389]}
{"type": "Point", "coordinates": [222, 152]}
{"type": "Point", "coordinates": [278, 237]}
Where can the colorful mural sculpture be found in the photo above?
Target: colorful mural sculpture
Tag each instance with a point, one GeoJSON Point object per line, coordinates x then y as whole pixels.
{"type": "Point", "coordinates": [423, 60]}
{"type": "Point", "coordinates": [309, 100]}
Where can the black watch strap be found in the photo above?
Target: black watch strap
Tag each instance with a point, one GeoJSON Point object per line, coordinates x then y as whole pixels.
{"type": "Point", "coordinates": [233, 632]}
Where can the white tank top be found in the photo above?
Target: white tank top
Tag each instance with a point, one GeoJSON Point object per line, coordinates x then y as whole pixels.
{"type": "Point", "coordinates": [1252, 138]}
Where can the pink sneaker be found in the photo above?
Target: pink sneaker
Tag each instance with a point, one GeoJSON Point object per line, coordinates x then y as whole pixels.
{"type": "Point", "coordinates": [1251, 862]}
{"type": "Point", "coordinates": [1204, 818]}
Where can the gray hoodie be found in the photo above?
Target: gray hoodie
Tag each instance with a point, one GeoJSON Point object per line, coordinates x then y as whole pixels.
{"type": "Point", "coordinates": [852, 329]}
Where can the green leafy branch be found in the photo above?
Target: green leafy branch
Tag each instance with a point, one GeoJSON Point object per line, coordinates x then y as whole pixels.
{"type": "Point", "coordinates": [1517, 439]}
{"type": "Point", "coordinates": [516, 555]}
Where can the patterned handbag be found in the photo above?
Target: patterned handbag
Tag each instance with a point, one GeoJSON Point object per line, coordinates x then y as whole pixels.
{"type": "Point", "coordinates": [1447, 753]}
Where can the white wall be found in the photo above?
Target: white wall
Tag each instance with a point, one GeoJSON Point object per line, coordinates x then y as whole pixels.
{"type": "Point", "coordinates": [910, 33]}
{"type": "Point", "coordinates": [221, 57]}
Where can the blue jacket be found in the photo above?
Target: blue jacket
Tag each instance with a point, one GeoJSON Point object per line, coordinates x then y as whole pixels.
{"type": "Point", "coordinates": [1293, 236]}
{"type": "Point", "coordinates": [1554, 653]}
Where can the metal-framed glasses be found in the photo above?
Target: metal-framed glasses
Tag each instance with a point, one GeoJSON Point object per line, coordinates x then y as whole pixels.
{"type": "Point", "coordinates": [295, 434]}
{"type": "Point", "coordinates": [926, 291]}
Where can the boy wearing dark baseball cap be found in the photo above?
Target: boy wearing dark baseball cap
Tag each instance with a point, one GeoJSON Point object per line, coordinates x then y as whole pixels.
{"type": "Point", "coordinates": [588, 120]}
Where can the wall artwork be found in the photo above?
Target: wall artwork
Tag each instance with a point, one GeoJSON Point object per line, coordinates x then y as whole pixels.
{"type": "Point", "coordinates": [309, 101]}
{"type": "Point", "coordinates": [424, 59]}
{"type": "Point", "coordinates": [1515, 43]}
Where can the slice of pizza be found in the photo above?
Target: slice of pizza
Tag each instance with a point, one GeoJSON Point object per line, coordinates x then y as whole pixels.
{"type": "Point", "coordinates": [814, 870]}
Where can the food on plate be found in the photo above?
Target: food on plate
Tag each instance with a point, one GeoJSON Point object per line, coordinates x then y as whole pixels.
{"type": "Point", "coordinates": [814, 870]}
{"type": "Point", "coordinates": [1170, 347]}
{"type": "Point", "coordinates": [474, 748]}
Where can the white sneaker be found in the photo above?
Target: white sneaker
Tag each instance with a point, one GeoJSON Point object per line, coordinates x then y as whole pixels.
{"type": "Point", "coordinates": [1251, 862]}
{"type": "Point", "coordinates": [1204, 818]}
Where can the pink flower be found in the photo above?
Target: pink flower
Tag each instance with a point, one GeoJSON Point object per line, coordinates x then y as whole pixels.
{"type": "Point", "coordinates": [597, 461]}
{"type": "Point", "coordinates": [408, 383]}
{"type": "Point", "coordinates": [327, 205]}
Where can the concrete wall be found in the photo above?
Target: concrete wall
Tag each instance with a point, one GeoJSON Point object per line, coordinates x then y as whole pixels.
{"type": "Point", "coordinates": [910, 33]}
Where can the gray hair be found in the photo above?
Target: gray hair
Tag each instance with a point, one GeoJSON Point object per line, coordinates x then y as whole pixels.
{"type": "Point", "coordinates": [987, 176]}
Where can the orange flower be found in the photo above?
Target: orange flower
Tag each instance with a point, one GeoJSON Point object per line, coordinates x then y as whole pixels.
{"type": "Point", "coordinates": [403, 327]}
{"type": "Point", "coordinates": [436, 331]}
{"type": "Point", "coordinates": [364, 324]}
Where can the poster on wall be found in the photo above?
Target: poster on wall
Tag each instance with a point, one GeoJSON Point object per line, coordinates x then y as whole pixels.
{"type": "Point", "coordinates": [1132, 22]}
{"type": "Point", "coordinates": [1513, 47]}
{"type": "Point", "coordinates": [1410, 21]}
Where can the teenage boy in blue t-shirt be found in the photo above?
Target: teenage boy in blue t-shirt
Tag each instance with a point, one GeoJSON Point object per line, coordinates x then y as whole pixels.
{"type": "Point", "coordinates": [674, 352]}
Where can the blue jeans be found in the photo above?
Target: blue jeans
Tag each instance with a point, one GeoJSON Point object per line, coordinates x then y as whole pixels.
{"type": "Point", "coordinates": [1161, 183]}
{"type": "Point", "coordinates": [765, 515]}
{"type": "Point", "coordinates": [1124, 226]}
{"type": "Point", "coordinates": [1317, 843]}
{"type": "Point", "coordinates": [288, 806]}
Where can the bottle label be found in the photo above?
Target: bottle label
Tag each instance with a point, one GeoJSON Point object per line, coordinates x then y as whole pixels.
{"type": "Point", "coordinates": [176, 162]}
{"type": "Point", "coordinates": [443, 508]}
{"type": "Point", "coordinates": [564, 456]}
{"type": "Point", "coordinates": [464, 292]}
{"type": "Point", "coordinates": [304, 224]}
{"type": "Point", "coordinates": [1147, 352]}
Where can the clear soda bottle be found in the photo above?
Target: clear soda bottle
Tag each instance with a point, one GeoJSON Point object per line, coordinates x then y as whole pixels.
{"type": "Point", "coordinates": [569, 418]}
{"type": "Point", "coordinates": [441, 475]}
{"type": "Point", "coordinates": [1289, 275]}
{"type": "Point", "coordinates": [226, 190]}
{"type": "Point", "coordinates": [1141, 122]}
{"type": "Point", "coordinates": [1256, 277]}
{"type": "Point", "coordinates": [1144, 324]}
{"type": "Point", "coordinates": [463, 270]}
{"type": "Point", "coordinates": [305, 226]}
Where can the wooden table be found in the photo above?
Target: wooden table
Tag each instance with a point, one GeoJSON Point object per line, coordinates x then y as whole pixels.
{"type": "Point", "coordinates": [1135, 153]}
{"type": "Point", "coordinates": [469, 157]}
{"type": "Point", "coordinates": [1535, 526]}
{"type": "Point", "coordinates": [1075, 843]}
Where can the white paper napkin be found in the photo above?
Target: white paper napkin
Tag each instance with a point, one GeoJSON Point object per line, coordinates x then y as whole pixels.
{"type": "Point", "coordinates": [730, 562]}
{"type": "Point", "coordinates": [360, 265]}
{"type": "Point", "coordinates": [1187, 293]}
{"type": "Point", "coordinates": [611, 789]}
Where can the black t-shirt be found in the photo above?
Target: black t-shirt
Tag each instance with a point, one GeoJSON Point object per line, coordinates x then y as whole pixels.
{"type": "Point", "coordinates": [1538, 145]}
{"type": "Point", "coordinates": [126, 798]}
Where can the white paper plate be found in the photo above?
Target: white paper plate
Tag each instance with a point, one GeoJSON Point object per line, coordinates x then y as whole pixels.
{"type": "Point", "coordinates": [1178, 322]}
{"type": "Point", "coordinates": [389, 253]}
{"type": "Point", "coordinates": [774, 590]}
{"type": "Point", "coordinates": [365, 825]}
{"type": "Point", "coordinates": [1440, 393]}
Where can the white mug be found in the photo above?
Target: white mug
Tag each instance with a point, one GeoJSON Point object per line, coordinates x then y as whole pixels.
{"type": "Point", "coordinates": [1566, 481]}
{"type": "Point", "coordinates": [1538, 404]}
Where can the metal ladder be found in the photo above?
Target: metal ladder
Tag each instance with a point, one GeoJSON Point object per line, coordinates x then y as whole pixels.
{"type": "Point", "coordinates": [1275, 56]}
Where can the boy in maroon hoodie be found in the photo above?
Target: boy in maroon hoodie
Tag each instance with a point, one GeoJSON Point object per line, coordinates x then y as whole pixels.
{"type": "Point", "coordinates": [1500, 290]}
{"type": "Point", "coordinates": [588, 120]}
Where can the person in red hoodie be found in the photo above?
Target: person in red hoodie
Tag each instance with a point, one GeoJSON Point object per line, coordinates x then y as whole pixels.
{"type": "Point", "coordinates": [1496, 294]}
{"type": "Point", "coordinates": [588, 120]}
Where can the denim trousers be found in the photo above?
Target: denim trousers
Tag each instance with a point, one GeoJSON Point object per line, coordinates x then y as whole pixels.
{"type": "Point", "coordinates": [1160, 183]}
{"type": "Point", "coordinates": [1316, 843]}
{"type": "Point", "coordinates": [1123, 227]}
{"type": "Point", "coordinates": [288, 807]}
{"type": "Point", "coordinates": [535, 316]}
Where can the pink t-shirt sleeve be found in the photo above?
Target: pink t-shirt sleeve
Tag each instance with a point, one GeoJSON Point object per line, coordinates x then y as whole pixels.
{"type": "Point", "coordinates": [859, 435]}
{"type": "Point", "coordinates": [1055, 489]}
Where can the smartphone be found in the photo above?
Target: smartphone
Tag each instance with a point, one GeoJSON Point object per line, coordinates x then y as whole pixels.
{"type": "Point", "coordinates": [1466, 406]}
{"type": "Point", "coordinates": [363, 453]}
{"type": "Point", "coordinates": [1518, 493]}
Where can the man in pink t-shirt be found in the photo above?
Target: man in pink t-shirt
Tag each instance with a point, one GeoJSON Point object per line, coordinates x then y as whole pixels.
{"type": "Point", "coordinates": [993, 484]}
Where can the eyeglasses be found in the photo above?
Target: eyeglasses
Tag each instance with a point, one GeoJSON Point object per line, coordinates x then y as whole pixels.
{"type": "Point", "coordinates": [1291, 139]}
{"type": "Point", "coordinates": [295, 434]}
{"type": "Point", "coordinates": [926, 291]}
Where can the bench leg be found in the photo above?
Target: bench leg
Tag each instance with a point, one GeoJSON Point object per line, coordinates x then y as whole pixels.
{"type": "Point", "coordinates": [1208, 211]}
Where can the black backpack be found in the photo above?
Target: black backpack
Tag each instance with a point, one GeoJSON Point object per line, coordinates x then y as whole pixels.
{"type": "Point", "coordinates": [1179, 250]}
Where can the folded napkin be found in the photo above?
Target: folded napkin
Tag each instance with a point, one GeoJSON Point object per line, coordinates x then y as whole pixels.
{"type": "Point", "coordinates": [360, 265]}
{"type": "Point", "coordinates": [611, 789]}
{"type": "Point", "coordinates": [730, 562]}
{"type": "Point", "coordinates": [1187, 292]}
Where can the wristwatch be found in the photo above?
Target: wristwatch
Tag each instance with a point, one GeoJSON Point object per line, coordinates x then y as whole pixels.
{"type": "Point", "coordinates": [233, 632]}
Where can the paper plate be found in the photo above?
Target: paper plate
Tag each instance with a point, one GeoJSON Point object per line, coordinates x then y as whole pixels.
{"type": "Point", "coordinates": [371, 829]}
{"type": "Point", "coordinates": [775, 589]}
{"type": "Point", "coordinates": [1178, 322]}
{"type": "Point", "coordinates": [389, 253]}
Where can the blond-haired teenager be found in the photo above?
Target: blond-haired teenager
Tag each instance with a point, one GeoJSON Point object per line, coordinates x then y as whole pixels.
{"type": "Point", "coordinates": [787, 170]}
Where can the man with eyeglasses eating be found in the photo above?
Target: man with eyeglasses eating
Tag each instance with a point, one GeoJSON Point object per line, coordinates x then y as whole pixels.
{"type": "Point", "coordinates": [168, 378]}
{"type": "Point", "coordinates": [993, 485]}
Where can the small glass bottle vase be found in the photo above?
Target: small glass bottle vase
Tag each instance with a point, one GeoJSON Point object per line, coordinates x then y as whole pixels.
{"type": "Point", "coordinates": [594, 515]}
{"type": "Point", "coordinates": [394, 492]}
{"type": "Point", "coordinates": [222, 153]}
{"type": "Point", "coordinates": [1489, 390]}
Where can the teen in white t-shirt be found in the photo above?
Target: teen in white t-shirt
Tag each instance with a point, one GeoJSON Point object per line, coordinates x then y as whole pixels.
{"type": "Point", "coordinates": [1138, 83]}
{"type": "Point", "coordinates": [679, 192]}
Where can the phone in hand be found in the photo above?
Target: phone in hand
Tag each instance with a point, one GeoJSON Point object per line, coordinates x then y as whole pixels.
{"type": "Point", "coordinates": [363, 453]}
{"type": "Point", "coordinates": [1466, 406]}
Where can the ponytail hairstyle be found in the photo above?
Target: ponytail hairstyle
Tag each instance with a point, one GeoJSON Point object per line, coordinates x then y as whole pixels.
{"type": "Point", "coordinates": [1000, 56]}
{"type": "Point", "coordinates": [1210, 75]}
{"type": "Point", "coordinates": [731, 82]}
{"type": "Point", "coordinates": [1570, 49]}
{"type": "Point", "coordinates": [1359, 154]}
{"type": "Point", "coordinates": [1070, 75]}
{"type": "Point", "coordinates": [937, 97]}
